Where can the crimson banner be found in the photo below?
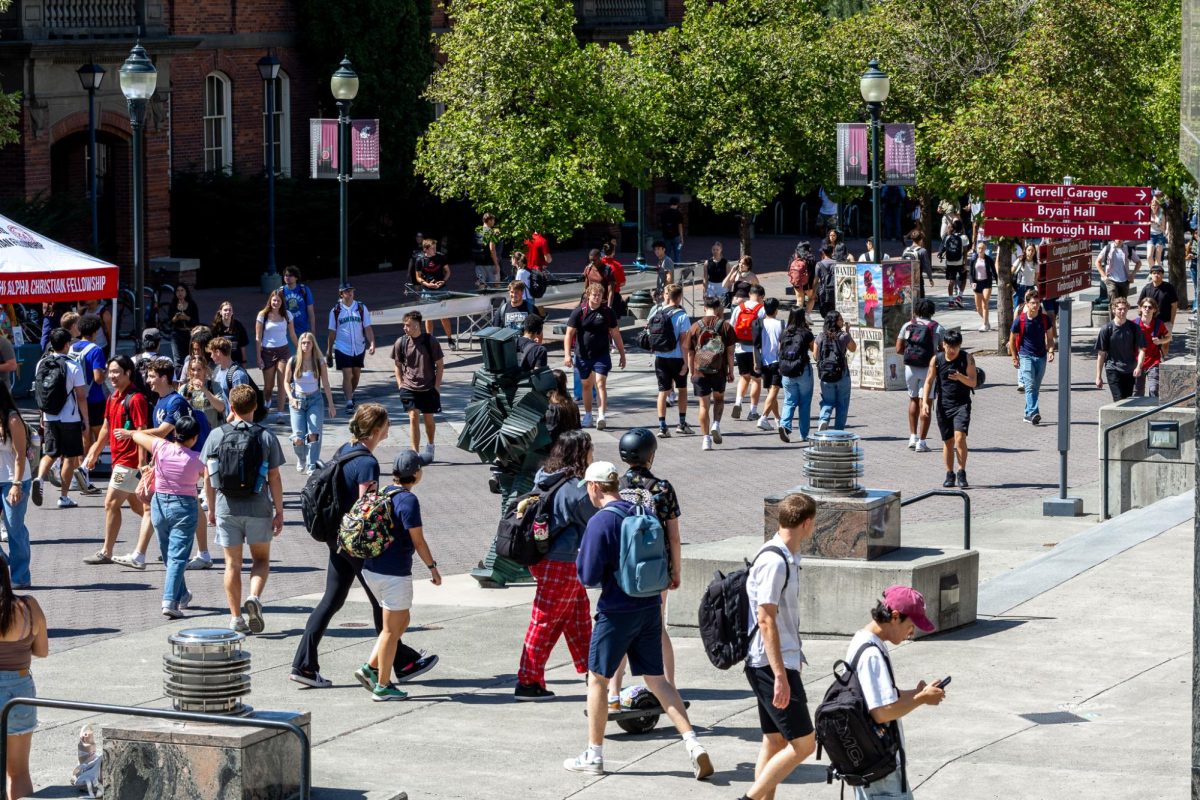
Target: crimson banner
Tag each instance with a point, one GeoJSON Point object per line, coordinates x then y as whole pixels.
{"type": "Point", "coordinates": [364, 148]}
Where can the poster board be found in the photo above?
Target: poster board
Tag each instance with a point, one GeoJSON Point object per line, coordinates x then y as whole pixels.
{"type": "Point", "coordinates": [846, 292]}
{"type": "Point", "coordinates": [869, 285]}
{"type": "Point", "coordinates": [872, 359]}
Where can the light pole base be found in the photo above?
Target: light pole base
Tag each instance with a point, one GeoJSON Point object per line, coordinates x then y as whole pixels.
{"type": "Point", "coordinates": [1062, 507]}
{"type": "Point", "coordinates": [269, 282]}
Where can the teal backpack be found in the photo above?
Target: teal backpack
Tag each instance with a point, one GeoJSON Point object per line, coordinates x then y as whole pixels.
{"type": "Point", "coordinates": [642, 570]}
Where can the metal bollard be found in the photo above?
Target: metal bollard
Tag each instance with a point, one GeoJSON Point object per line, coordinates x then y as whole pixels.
{"type": "Point", "coordinates": [832, 463]}
{"type": "Point", "coordinates": [206, 671]}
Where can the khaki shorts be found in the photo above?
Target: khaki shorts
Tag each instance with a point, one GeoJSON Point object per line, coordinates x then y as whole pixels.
{"type": "Point", "coordinates": [124, 479]}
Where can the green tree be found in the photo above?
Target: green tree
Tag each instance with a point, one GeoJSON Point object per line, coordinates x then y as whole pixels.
{"type": "Point", "coordinates": [535, 128]}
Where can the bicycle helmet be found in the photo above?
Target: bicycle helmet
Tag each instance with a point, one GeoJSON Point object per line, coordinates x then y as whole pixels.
{"type": "Point", "coordinates": [637, 447]}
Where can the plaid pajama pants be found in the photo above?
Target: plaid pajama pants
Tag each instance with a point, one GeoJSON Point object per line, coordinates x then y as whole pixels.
{"type": "Point", "coordinates": [560, 608]}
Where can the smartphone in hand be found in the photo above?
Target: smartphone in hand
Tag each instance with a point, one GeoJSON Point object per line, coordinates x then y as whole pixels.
{"type": "Point", "coordinates": [943, 683]}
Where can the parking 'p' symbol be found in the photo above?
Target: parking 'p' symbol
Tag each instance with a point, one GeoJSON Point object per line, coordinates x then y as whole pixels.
{"type": "Point", "coordinates": [1021, 192]}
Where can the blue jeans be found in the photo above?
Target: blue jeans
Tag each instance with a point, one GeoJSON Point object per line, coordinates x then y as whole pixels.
{"type": "Point", "coordinates": [1032, 371]}
{"type": "Point", "coordinates": [174, 518]}
{"type": "Point", "coordinates": [1192, 272]}
{"type": "Point", "coordinates": [307, 421]}
{"type": "Point", "coordinates": [797, 395]}
{"type": "Point", "coordinates": [888, 788]}
{"type": "Point", "coordinates": [18, 534]}
{"type": "Point", "coordinates": [675, 248]}
{"type": "Point", "coordinates": [835, 401]}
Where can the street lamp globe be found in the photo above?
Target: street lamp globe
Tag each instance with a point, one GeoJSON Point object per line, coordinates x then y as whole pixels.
{"type": "Point", "coordinates": [874, 84]}
{"type": "Point", "coordinates": [268, 67]}
{"type": "Point", "coordinates": [138, 75]}
{"type": "Point", "coordinates": [90, 76]}
{"type": "Point", "coordinates": [344, 83]}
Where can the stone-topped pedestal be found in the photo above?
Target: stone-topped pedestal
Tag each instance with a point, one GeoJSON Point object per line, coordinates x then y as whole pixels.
{"type": "Point", "coordinates": [146, 758]}
{"type": "Point", "coordinates": [1176, 378]}
{"type": "Point", "coordinates": [863, 526]}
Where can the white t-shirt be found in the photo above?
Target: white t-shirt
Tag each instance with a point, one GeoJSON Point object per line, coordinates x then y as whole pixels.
{"type": "Point", "coordinates": [1117, 263]}
{"type": "Point", "coordinates": [351, 324]}
{"type": "Point", "coordinates": [8, 459]}
{"type": "Point", "coordinates": [772, 329]}
{"type": "Point", "coordinates": [765, 586]}
{"type": "Point", "coordinates": [1026, 272]}
{"type": "Point", "coordinates": [523, 277]}
{"type": "Point", "coordinates": [740, 346]}
{"type": "Point", "coordinates": [275, 331]}
{"type": "Point", "coordinates": [877, 686]}
{"type": "Point", "coordinates": [70, 411]}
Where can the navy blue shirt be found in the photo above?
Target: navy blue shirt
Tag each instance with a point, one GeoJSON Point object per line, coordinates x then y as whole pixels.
{"type": "Point", "coordinates": [174, 406]}
{"type": "Point", "coordinates": [599, 558]}
{"type": "Point", "coordinates": [356, 471]}
{"type": "Point", "coordinates": [398, 558]}
{"type": "Point", "coordinates": [1033, 340]}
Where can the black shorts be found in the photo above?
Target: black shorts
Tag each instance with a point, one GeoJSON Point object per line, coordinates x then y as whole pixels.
{"type": "Point", "coordinates": [771, 376]}
{"type": "Point", "coordinates": [953, 420]}
{"type": "Point", "coordinates": [704, 385]}
{"type": "Point", "coordinates": [426, 402]}
{"type": "Point", "coordinates": [792, 722]}
{"type": "Point", "coordinates": [954, 272]}
{"type": "Point", "coordinates": [745, 364]}
{"type": "Point", "coordinates": [670, 372]}
{"type": "Point", "coordinates": [63, 439]}
{"type": "Point", "coordinates": [96, 413]}
{"type": "Point", "coordinates": [343, 361]}
{"type": "Point", "coordinates": [981, 286]}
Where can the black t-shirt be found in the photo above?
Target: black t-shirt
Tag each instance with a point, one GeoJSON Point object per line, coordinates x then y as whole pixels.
{"type": "Point", "coordinates": [530, 354]}
{"type": "Point", "coordinates": [591, 328]}
{"type": "Point", "coordinates": [672, 222]}
{"type": "Point", "coordinates": [431, 268]}
{"type": "Point", "coordinates": [1121, 342]}
{"type": "Point", "coordinates": [716, 269]}
{"type": "Point", "coordinates": [510, 316]}
{"type": "Point", "coordinates": [364, 469]}
{"type": "Point", "coordinates": [952, 395]}
{"type": "Point", "coordinates": [1164, 295]}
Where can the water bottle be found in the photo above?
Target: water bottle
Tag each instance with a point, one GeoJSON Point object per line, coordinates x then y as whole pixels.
{"type": "Point", "coordinates": [262, 476]}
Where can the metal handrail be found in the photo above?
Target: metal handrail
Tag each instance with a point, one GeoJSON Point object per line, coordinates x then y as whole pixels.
{"type": "Point", "coordinates": [966, 498]}
{"type": "Point", "coordinates": [1104, 449]}
{"type": "Point", "coordinates": [157, 713]}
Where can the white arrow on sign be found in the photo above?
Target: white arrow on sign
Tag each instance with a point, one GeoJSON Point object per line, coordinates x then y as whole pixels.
{"type": "Point", "coordinates": [1140, 233]}
{"type": "Point", "coordinates": [1141, 195]}
{"type": "Point", "coordinates": [1140, 213]}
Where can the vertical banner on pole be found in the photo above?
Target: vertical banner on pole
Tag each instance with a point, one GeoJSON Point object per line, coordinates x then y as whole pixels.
{"type": "Point", "coordinates": [323, 148]}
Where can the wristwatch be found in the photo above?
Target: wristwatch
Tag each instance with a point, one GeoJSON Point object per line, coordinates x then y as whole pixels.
{"type": "Point", "coordinates": [432, 566]}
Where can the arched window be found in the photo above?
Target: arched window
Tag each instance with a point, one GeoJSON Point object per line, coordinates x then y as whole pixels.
{"type": "Point", "coordinates": [283, 125]}
{"type": "Point", "coordinates": [218, 124]}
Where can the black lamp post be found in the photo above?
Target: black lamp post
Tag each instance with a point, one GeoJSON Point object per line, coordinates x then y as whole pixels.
{"type": "Point", "coordinates": [138, 78]}
{"type": "Point", "coordinates": [874, 86]}
{"type": "Point", "coordinates": [344, 85]}
{"type": "Point", "coordinates": [268, 68]}
{"type": "Point", "coordinates": [91, 75]}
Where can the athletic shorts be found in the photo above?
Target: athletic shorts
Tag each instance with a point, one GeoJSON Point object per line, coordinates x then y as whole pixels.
{"type": "Point", "coordinates": [637, 634]}
{"type": "Point", "coordinates": [793, 722]}
{"type": "Point", "coordinates": [394, 592]}
{"type": "Point", "coordinates": [670, 372]}
{"type": "Point", "coordinates": [124, 479]}
{"type": "Point", "coordinates": [981, 286]}
{"type": "Point", "coordinates": [745, 364]}
{"type": "Point", "coordinates": [914, 378]}
{"type": "Point", "coordinates": [600, 366]}
{"type": "Point", "coordinates": [96, 413]}
{"type": "Point", "coordinates": [343, 361]}
{"type": "Point", "coordinates": [234, 531]}
{"type": "Point", "coordinates": [954, 272]}
{"type": "Point", "coordinates": [704, 385]}
{"type": "Point", "coordinates": [426, 402]}
{"type": "Point", "coordinates": [771, 376]}
{"type": "Point", "coordinates": [63, 439]}
{"type": "Point", "coordinates": [954, 420]}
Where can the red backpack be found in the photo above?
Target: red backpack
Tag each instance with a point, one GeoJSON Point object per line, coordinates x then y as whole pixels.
{"type": "Point", "coordinates": [799, 274]}
{"type": "Point", "coordinates": [743, 329]}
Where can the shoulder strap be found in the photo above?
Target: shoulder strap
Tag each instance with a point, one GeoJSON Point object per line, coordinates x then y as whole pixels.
{"type": "Point", "coordinates": [778, 551]}
{"type": "Point", "coordinates": [622, 514]}
{"type": "Point", "coordinates": [887, 661]}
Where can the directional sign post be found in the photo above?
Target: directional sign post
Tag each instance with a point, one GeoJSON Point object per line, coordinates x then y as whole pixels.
{"type": "Point", "coordinates": [1066, 268]}
{"type": "Point", "coordinates": [1064, 211]}
{"type": "Point", "coordinates": [1069, 212]}
{"type": "Point", "coordinates": [1043, 192]}
{"type": "Point", "coordinates": [1054, 229]}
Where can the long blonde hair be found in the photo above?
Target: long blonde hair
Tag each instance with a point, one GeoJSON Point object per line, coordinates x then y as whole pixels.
{"type": "Point", "coordinates": [295, 363]}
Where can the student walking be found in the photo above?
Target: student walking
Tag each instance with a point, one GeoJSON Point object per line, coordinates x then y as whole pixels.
{"type": "Point", "coordinates": [739, 280]}
{"type": "Point", "coordinates": [1118, 265]}
{"type": "Point", "coordinates": [774, 655]}
{"type": "Point", "coordinates": [274, 330]}
{"type": "Point", "coordinates": [23, 637]}
{"type": "Point", "coordinates": [832, 345]}
{"type": "Point", "coordinates": [1155, 336]}
{"type": "Point", "coordinates": [513, 311]}
{"type": "Point", "coordinates": [389, 578]}
{"type": "Point", "coordinates": [983, 278]}
{"type": "Point", "coordinates": [419, 369]}
{"type": "Point", "coordinates": [1164, 295]}
{"type": "Point", "coordinates": [351, 337]}
{"type": "Point", "coordinates": [531, 352]}
{"type": "Point", "coordinates": [245, 503]}
{"type": "Point", "coordinates": [954, 249]}
{"type": "Point", "coordinates": [589, 329]}
{"type": "Point", "coordinates": [708, 351]}
{"type": "Point", "coordinates": [716, 269]}
{"type": "Point", "coordinates": [431, 273]}
{"type": "Point", "coordinates": [560, 605]}
{"type": "Point", "coordinates": [796, 354]}
{"type": "Point", "coordinates": [15, 480]}
{"type": "Point", "coordinates": [298, 300]}
{"type": "Point", "coordinates": [918, 341]}
{"type": "Point", "coordinates": [669, 326]}
{"type": "Point", "coordinates": [90, 357]}
{"type": "Point", "coordinates": [826, 294]}
{"type": "Point", "coordinates": [1024, 275]}
{"type": "Point", "coordinates": [1117, 348]}
{"type": "Point", "coordinates": [1031, 343]}
{"type": "Point", "coordinates": [225, 324]}
{"type": "Point", "coordinates": [952, 378]}
{"type": "Point", "coordinates": [767, 332]}
{"type": "Point", "coordinates": [227, 373]}
{"type": "Point", "coordinates": [893, 620]}
{"type": "Point", "coordinates": [64, 425]}
{"type": "Point", "coordinates": [625, 626]}
{"type": "Point", "coordinates": [744, 315]}
{"type": "Point", "coordinates": [310, 400]}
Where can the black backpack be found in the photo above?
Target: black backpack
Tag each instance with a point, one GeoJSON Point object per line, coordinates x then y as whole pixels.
{"type": "Point", "coordinates": [660, 330]}
{"type": "Point", "coordinates": [50, 383]}
{"type": "Point", "coordinates": [831, 363]}
{"type": "Point", "coordinates": [918, 344]}
{"type": "Point", "coordinates": [538, 281]}
{"type": "Point", "coordinates": [523, 534]}
{"type": "Point", "coordinates": [793, 355]}
{"type": "Point", "coordinates": [860, 750]}
{"type": "Point", "coordinates": [825, 293]}
{"type": "Point", "coordinates": [320, 499]}
{"type": "Point", "coordinates": [240, 458]}
{"type": "Point", "coordinates": [724, 610]}
{"type": "Point", "coordinates": [260, 410]}
{"type": "Point", "coordinates": [952, 248]}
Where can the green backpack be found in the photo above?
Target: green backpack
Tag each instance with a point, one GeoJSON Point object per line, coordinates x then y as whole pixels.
{"type": "Point", "coordinates": [368, 528]}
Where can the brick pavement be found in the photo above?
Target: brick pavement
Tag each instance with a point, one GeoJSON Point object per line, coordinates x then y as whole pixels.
{"type": "Point", "coordinates": [1011, 464]}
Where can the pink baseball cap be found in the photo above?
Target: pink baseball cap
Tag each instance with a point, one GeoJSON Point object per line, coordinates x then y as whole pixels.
{"type": "Point", "coordinates": [909, 602]}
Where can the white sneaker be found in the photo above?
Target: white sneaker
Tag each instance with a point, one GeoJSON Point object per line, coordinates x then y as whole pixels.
{"type": "Point", "coordinates": [671, 398]}
{"type": "Point", "coordinates": [585, 763]}
{"type": "Point", "coordinates": [300, 466]}
{"type": "Point", "coordinates": [922, 447]}
{"type": "Point", "coordinates": [707, 444]}
{"type": "Point", "coordinates": [912, 441]}
{"type": "Point", "coordinates": [823, 425]}
{"type": "Point", "coordinates": [715, 432]}
{"type": "Point", "coordinates": [586, 422]}
{"type": "Point", "coordinates": [983, 328]}
{"type": "Point", "coordinates": [600, 424]}
{"type": "Point", "coordinates": [701, 764]}
{"type": "Point", "coordinates": [132, 561]}
{"type": "Point", "coordinates": [764, 424]}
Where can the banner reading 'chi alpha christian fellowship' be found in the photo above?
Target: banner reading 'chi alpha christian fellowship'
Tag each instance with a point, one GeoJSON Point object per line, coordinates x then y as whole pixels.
{"type": "Point", "coordinates": [323, 148]}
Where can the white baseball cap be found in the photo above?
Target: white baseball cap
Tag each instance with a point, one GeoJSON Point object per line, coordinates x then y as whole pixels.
{"type": "Point", "coordinates": [599, 472]}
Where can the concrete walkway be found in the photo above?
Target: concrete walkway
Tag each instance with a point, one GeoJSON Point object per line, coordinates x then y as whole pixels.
{"type": "Point", "coordinates": [1076, 688]}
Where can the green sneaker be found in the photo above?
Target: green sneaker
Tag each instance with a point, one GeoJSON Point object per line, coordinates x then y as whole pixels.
{"type": "Point", "coordinates": [382, 694]}
{"type": "Point", "coordinates": [367, 676]}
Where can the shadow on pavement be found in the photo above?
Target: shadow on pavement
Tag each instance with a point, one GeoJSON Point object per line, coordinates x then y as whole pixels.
{"type": "Point", "coordinates": [67, 633]}
{"type": "Point", "coordinates": [981, 629]}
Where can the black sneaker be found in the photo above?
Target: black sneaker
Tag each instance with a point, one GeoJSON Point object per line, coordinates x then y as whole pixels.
{"type": "Point", "coordinates": [684, 428]}
{"type": "Point", "coordinates": [949, 482]}
{"type": "Point", "coordinates": [36, 492]}
{"type": "Point", "coordinates": [784, 435]}
{"type": "Point", "coordinates": [526, 692]}
{"type": "Point", "coordinates": [962, 479]}
{"type": "Point", "coordinates": [1036, 419]}
{"type": "Point", "coordinates": [418, 667]}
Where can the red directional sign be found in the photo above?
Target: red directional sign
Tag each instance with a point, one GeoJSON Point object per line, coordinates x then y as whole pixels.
{"type": "Point", "coordinates": [1068, 211]}
{"type": "Point", "coordinates": [1029, 229]}
{"type": "Point", "coordinates": [1066, 268]}
{"type": "Point", "coordinates": [1056, 192]}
